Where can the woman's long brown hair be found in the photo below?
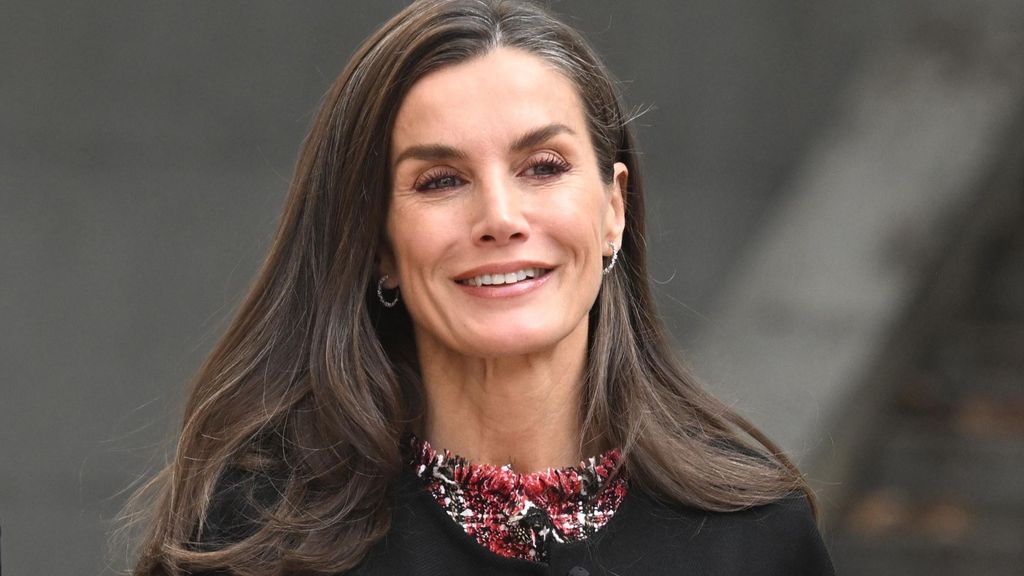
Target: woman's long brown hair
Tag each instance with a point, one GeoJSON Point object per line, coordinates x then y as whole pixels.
{"type": "Point", "coordinates": [314, 384]}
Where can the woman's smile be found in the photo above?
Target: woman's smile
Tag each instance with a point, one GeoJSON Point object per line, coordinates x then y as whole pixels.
{"type": "Point", "coordinates": [504, 280]}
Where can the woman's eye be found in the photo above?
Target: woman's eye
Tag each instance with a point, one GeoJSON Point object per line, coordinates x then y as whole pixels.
{"type": "Point", "coordinates": [546, 166]}
{"type": "Point", "coordinates": [438, 182]}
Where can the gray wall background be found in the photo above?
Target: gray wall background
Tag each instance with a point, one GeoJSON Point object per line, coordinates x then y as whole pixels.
{"type": "Point", "coordinates": [145, 150]}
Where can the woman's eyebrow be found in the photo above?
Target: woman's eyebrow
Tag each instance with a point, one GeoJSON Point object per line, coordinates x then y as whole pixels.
{"type": "Point", "coordinates": [430, 153]}
{"type": "Point", "coordinates": [539, 136]}
{"type": "Point", "coordinates": [436, 152]}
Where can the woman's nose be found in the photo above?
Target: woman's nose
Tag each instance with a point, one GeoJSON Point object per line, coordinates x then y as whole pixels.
{"type": "Point", "coordinates": [500, 216]}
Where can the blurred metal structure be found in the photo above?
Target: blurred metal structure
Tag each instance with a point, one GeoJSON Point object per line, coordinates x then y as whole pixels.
{"type": "Point", "coordinates": [935, 485]}
{"type": "Point", "coordinates": [874, 323]}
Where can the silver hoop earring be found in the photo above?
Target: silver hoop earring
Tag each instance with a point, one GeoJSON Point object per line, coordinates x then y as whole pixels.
{"type": "Point", "coordinates": [380, 293]}
{"type": "Point", "coordinates": [615, 256]}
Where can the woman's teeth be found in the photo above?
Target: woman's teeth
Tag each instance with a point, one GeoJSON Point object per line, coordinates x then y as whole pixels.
{"type": "Point", "coordinates": [497, 279]}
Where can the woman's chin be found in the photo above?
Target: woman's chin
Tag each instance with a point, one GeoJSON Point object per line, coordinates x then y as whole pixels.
{"type": "Point", "coordinates": [515, 341]}
{"type": "Point", "coordinates": [507, 349]}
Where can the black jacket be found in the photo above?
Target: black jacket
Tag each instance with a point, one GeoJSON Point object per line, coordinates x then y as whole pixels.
{"type": "Point", "coordinates": [643, 538]}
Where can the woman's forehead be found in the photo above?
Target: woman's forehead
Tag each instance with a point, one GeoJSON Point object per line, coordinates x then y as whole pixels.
{"type": "Point", "coordinates": [490, 100]}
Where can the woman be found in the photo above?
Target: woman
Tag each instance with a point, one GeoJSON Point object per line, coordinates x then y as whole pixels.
{"type": "Point", "coordinates": [460, 270]}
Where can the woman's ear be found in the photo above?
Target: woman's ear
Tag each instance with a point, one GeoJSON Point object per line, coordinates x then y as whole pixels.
{"type": "Point", "coordinates": [615, 216]}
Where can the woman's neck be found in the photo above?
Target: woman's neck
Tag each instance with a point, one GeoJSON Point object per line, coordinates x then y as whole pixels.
{"type": "Point", "coordinates": [522, 410]}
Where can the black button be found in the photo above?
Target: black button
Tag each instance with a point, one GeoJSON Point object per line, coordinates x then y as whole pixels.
{"type": "Point", "coordinates": [578, 571]}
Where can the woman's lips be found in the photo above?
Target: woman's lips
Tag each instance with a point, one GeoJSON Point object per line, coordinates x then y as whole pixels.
{"type": "Point", "coordinates": [505, 283]}
{"type": "Point", "coordinates": [499, 279]}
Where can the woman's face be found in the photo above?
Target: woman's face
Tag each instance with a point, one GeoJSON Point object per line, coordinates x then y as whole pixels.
{"type": "Point", "coordinates": [499, 217]}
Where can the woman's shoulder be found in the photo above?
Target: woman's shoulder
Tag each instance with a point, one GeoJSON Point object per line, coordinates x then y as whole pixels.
{"type": "Point", "coordinates": [238, 507]}
{"type": "Point", "coordinates": [786, 519]}
{"type": "Point", "coordinates": [779, 537]}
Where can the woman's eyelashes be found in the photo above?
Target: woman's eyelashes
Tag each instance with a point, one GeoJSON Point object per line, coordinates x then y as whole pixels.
{"type": "Point", "coordinates": [546, 165]}
{"type": "Point", "coordinates": [438, 179]}
{"type": "Point", "coordinates": [541, 167]}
